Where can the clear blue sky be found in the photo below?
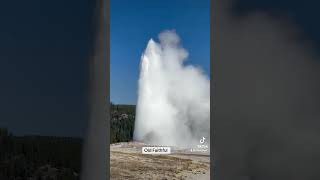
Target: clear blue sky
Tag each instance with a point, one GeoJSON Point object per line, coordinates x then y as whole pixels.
{"type": "Point", "coordinates": [44, 52]}
{"type": "Point", "coordinates": [134, 22]}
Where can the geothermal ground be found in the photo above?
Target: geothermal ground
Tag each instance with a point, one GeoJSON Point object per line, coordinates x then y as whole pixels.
{"type": "Point", "coordinates": [127, 162]}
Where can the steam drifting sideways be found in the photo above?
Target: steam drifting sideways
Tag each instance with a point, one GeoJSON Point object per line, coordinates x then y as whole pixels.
{"type": "Point", "coordinates": [173, 105]}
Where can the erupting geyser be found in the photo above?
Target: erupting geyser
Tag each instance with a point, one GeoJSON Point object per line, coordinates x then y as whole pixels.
{"type": "Point", "coordinates": [173, 105]}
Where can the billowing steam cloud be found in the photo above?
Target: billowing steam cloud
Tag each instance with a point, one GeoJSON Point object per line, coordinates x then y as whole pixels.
{"type": "Point", "coordinates": [267, 98]}
{"type": "Point", "coordinates": [174, 99]}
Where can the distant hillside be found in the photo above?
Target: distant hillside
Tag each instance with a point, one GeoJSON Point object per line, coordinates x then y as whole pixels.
{"type": "Point", "coordinates": [124, 108]}
{"type": "Point", "coordinates": [122, 122]}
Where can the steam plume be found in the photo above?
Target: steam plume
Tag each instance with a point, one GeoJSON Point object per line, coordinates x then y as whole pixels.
{"type": "Point", "coordinates": [174, 99]}
{"type": "Point", "coordinates": [268, 99]}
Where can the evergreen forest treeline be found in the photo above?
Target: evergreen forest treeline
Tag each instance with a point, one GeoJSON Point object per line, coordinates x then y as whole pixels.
{"type": "Point", "coordinates": [39, 157]}
{"type": "Point", "coordinates": [122, 123]}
